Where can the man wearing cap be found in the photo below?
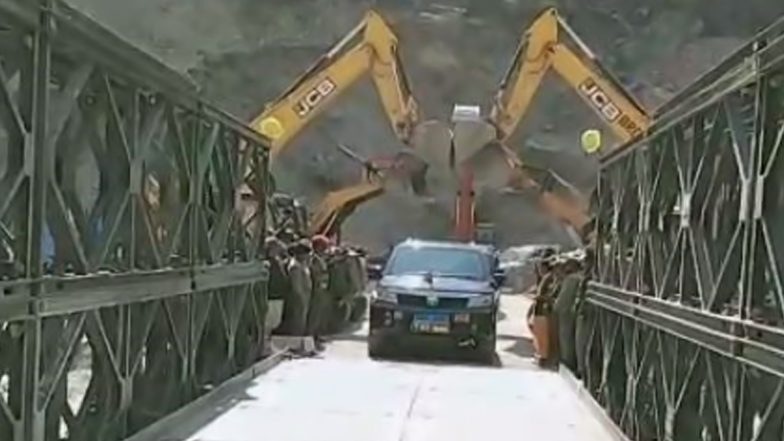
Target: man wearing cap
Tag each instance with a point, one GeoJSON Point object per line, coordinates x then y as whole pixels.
{"type": "Point", "coordinates": [319, 301]}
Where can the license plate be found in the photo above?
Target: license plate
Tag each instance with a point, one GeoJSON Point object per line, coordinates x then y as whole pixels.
{"type": "Point", "coordinates": [431, 323]}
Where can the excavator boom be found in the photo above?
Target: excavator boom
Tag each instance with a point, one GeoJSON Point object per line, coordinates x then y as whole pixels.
{"type": "Point", "coordinates": [339, 204]}
{"type": "Point", "coordinates": [544, 47]}
{"type": "Point", "coordinates": [550, 44]}
{"type": "Point", "coordinates": [370, 48]}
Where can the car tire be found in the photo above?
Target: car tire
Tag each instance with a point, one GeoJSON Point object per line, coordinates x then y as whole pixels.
{"type": "Point", "coordinates": [359, 309]}
{"type": "Point", "coordinates": [374, 352]}
{"type": "Point", "coordinates": [375, 348]}
{"type": "Point", "coordinates": [486, 353]}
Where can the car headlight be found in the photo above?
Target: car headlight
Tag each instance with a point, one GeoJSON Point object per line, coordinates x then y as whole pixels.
{"type": "Point", "coordinates": [383, 295]}
{"type": "Point", "coordinates": [480, 301]}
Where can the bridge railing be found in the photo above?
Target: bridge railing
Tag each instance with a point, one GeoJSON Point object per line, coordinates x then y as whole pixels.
{"type": "Point", "coordinates": [130, 272]}
{"type": "Point", "coordinates": [682, 336]}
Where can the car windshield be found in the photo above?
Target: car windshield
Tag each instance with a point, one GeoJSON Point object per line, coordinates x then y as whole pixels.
{"type": "Point", "coordinates": [446, 262]}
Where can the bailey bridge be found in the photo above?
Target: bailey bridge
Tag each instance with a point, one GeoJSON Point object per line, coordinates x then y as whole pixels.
{"type": "Point", "coordinates": [133, 293]}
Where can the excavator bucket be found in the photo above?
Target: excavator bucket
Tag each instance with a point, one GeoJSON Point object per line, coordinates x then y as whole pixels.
{"type": "Point", "coordinates": [431, 140]}
{"type": "Point", "coordinates": [493, 167]}
{"type": "Point", "coordinates": [412, 169]}
{"type": "Point", "coordinates": [470, 134]}
{"type": "Point", "coordinates": [467, 140]}
{"type": "Point", "coordinates": [445, 145]}
{"type": "Point", "coordinates": [405, 166]}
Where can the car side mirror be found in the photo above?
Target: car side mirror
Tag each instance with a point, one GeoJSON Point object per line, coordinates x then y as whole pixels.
{"type": "Point", "coordinates": [374, 272]}
{"type": "Point", "coordinates": [499, 277]}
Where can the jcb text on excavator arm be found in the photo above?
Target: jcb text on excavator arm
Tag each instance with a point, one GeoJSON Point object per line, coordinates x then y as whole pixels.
{"type": "Point", "coordinates": [375, 52]}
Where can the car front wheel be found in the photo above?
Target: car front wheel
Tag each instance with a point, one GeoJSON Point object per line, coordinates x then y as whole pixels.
{"type": "Point", "coordinates": [486, 351]}
{"type": "Point", "coordinates": [375, 347]}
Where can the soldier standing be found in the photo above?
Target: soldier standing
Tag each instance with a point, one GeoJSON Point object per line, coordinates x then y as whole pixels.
{"type": "Point", "coordinates": [539, 315]}
{"type": "Point", "coordinates": [276, 255]}
{"type": "Point", "coordinates": [296, 307]}
{"type": "Point", "coordinates": [279, 286]}
{"type": "Point", "coordinates": [319, 301]}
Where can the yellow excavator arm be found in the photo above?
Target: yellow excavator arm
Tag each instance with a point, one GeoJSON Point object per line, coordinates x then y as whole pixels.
{"type": "Point", "coordinates": [544, 47]}
{"type": "Point", "coordinates": [339, 204]}
{"type": "Point", "coordinates": [571, 210]}
{"type": "Point", "coordinates": [371, 47]}
{"type": "Point", "coordinates": [549, 43]}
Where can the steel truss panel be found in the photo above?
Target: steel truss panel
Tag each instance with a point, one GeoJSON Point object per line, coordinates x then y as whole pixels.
{"type": "Point", "coordinates": [131, 270]}
{"type": "Point", "coordinates": [682, 332]}
{"type": "Point", "coordinates": [757, 346]}
{"type": "Point", "coordinates": [762, 56]}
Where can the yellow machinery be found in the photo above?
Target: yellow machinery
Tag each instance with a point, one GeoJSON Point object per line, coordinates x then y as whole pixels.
{"type": "Point", "coordinates": [549, 43]}
{"type": "Point", "coordinates": [546, 46]}
{"type": "Point", "coordinates": [339, 204]}
{"type": "Point", "coordinates": [371, 48]}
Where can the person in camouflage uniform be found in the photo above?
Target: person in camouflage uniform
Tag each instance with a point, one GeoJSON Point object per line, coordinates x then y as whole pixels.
{"type": "Point", "coordinates": [572, 278]}
{"type": "Point", "coordinates": [538, 315]}
{"type": "Point", "coordinates": [278, 284]}
{"type": "Point", "coordinates": [339, 287]}
{"type": "Point", "coordinates": [319, 302]}
{"type": "Point", "coordinates": [276, 256]}
{"type": "Point", "coordinates": [295, 311]}
{"type": "Point", "coordinates": [541, 318]}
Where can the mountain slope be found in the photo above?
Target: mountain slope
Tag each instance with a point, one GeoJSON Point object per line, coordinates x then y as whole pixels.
{"type": "Point", "coordinates": [244, 52]}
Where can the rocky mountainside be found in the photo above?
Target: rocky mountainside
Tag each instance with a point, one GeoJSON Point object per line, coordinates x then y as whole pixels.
{"type": "Point", "coordinates": [244, 52]}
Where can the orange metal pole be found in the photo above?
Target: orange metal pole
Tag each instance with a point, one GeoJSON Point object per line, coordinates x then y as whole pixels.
{"type": "Point", "coordinates": [465, 208]}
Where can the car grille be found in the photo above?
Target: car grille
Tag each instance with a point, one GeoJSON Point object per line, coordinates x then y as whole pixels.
{"type": "Point", "coordinates": [421, 301]}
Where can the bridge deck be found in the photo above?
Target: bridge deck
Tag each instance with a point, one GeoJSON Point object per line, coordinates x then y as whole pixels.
{"type": "Point", "coordinates": [343, 396]}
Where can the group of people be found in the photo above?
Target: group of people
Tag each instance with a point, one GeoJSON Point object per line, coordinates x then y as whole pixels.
{"type": "Point", "coordinates": [310, 276]}
{"type": "Point", "coordinates": [556, 303]}
{"type": "Point", "coordinates": [299, 276]}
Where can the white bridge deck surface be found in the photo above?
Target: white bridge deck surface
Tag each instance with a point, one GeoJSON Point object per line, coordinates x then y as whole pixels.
{"type": "Point", "coordinates": [344, 396]}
